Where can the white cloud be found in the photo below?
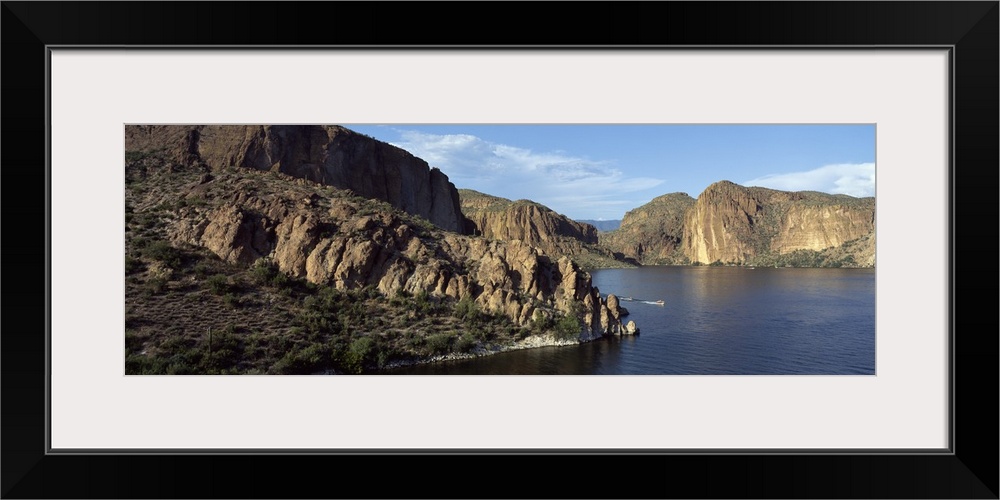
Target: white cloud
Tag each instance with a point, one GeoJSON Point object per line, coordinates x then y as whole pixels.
{"type": "Point", "coordinates": [576, 187]}
{"type": "Point", "coordinates": [855, 179]}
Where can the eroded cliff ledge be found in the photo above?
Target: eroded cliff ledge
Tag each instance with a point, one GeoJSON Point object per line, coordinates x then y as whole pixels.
{"type": "Point", "coordinates": [330, 155]}
{"type": "Point", "coordinates": [536, 225]}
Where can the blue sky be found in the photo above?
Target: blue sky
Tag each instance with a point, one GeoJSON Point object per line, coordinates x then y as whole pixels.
{"type": "Point", "coordinates": [602, 171]}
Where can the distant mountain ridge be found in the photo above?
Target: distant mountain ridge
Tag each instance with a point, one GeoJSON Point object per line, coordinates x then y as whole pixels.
{"type": "Point", "coordinates": [602, 225]}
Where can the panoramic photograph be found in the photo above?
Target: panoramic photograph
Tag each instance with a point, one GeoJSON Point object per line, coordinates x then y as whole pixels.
{"type": "Point", "coordinates": [477, 249]}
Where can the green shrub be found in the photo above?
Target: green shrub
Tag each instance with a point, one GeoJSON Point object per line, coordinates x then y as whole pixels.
{"type": "Point", "coordinates": [156, 285]}
{"type": "Point", "coordinates": [481, 334]}
{"type": "Point", "coordinates": [383, 357]}
{"type": "Point", "coordinates": [262, 271]}
{"type": "Point", "coordinates": [467, 311]}
{"type": "Point", "coordinates": [362, 346]}
{"type": "Point", "coordinates": [541, 323]}
{"type": "Point", "coordinates": [329, 297]}
{"type": "Point", "coordinates": [231, 300]}
{"type": "Point", "coordinates": [423, 303]}
{"type": "Point", "coordinates": [567, 328]}
{"type": "Point", "coordinates": [313, 321]}
{"type": "Point", "coordinates": [139, 364]}
{"type": "Point", "coordinates": [218, 284]}
{"type": "Point", "coordinates": [280, 279]}
{"type": "Point", "coordinates": [465, 343]}
{"type": "Point", "coordinates": [202, 269]}
{"type": "Point", "coordinates": [133, 265]}
{"type": "Point", "coordinates": [313, 358]}
{"type": "Point", "coordinates": [133, 340]}
{"type": "Point", "coordinates": [163, 252]}
{"type": "Point", "coordinates": [222, 350]}
{"type": "Point", "coordinates": [311, 303]}
{"type": "Point", "coordinates": [439, 343]}
{"type": "Point", "coordinates": [359, 353]}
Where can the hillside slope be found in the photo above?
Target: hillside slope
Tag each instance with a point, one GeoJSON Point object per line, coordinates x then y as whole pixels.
{"type": "Point", "coordinates": [232, 270]}
{"type": "Point", "coordinates": [330, 155]}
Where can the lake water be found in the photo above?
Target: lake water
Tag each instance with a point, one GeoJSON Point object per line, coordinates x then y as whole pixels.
{"type": "Point", "coordinates": [715, 320]}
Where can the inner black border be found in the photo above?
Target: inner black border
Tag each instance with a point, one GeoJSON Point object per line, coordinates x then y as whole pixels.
{"type": "Point", "coordinates": [971, 28]}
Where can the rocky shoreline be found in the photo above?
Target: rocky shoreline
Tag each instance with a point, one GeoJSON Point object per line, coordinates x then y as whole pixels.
{"type": "Point", "coordinates": [531, 342]}
{"type": "Point", "coordinates": [221, 213]}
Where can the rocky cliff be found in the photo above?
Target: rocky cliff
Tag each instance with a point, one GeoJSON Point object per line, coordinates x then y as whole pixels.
{"type": "Point", "coordinates": [523, 220]}
{"type": "Point", "coordinates": [651, 234]}
{"type": "Point", "coordinates": [329, 155]}
{"type": "Point", "coordinates": [379, 280]}
{"type": "Point", "coordinates": [329, 237]}
{"type": "Point", "coordinates": [732, 224]}
{"type": "Point", "coordinates": [534, 224]}
{"type": "Point", "coordinates": [735, 224]}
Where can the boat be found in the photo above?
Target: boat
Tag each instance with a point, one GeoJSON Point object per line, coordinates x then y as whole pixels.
{"type": "Point", "coordinates": [659, 302]}
{"type": "Point", "coordinates": [627, 298]}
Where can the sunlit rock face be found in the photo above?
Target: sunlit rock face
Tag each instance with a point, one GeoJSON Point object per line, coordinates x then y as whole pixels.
{"type": "Point", "coordinates": [735, 224]}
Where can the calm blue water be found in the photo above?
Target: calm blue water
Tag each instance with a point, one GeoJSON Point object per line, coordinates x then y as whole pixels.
{"type": "Point", "coordinates": [716, 320]}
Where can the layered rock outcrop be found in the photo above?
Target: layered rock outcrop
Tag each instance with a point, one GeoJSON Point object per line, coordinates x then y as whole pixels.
{"type": "Point", "coordinates": [523, 220]}
{"type": "Point", "coordinates": [732, 224]}
{"type": "Point", "coordinates": [351, 244]}
{"type": "Point", "coordinates": [720, 224]}
{"type": "Point", "coordinates": [535, 224]}
{"type": "Point", "coordinates": [735, 224]}
{"type": "Point", "coordinates": [330, 155]}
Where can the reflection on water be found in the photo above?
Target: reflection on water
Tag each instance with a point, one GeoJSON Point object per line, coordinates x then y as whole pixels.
{"type": "Point", "coordinates": [716, 320]}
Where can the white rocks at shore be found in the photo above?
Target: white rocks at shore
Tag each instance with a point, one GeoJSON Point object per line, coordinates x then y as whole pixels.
{"type": "Point", "coordinates": [531, 342]}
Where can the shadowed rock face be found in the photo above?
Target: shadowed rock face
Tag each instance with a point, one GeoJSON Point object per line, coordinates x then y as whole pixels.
{"type": "Point", "coordinates": [329, 155]}
{"type": "Point", "coordinates": [331, 241]}
{"type": "Point", "coordinates": [651, 234]}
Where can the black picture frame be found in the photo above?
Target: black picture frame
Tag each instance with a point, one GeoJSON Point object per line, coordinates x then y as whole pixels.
{"type": "Point", "coordinates": [969, 28]}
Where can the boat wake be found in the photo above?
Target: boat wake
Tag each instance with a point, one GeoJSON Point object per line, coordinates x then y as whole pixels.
{"type": "Point", "coordinates": [642, 301]}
